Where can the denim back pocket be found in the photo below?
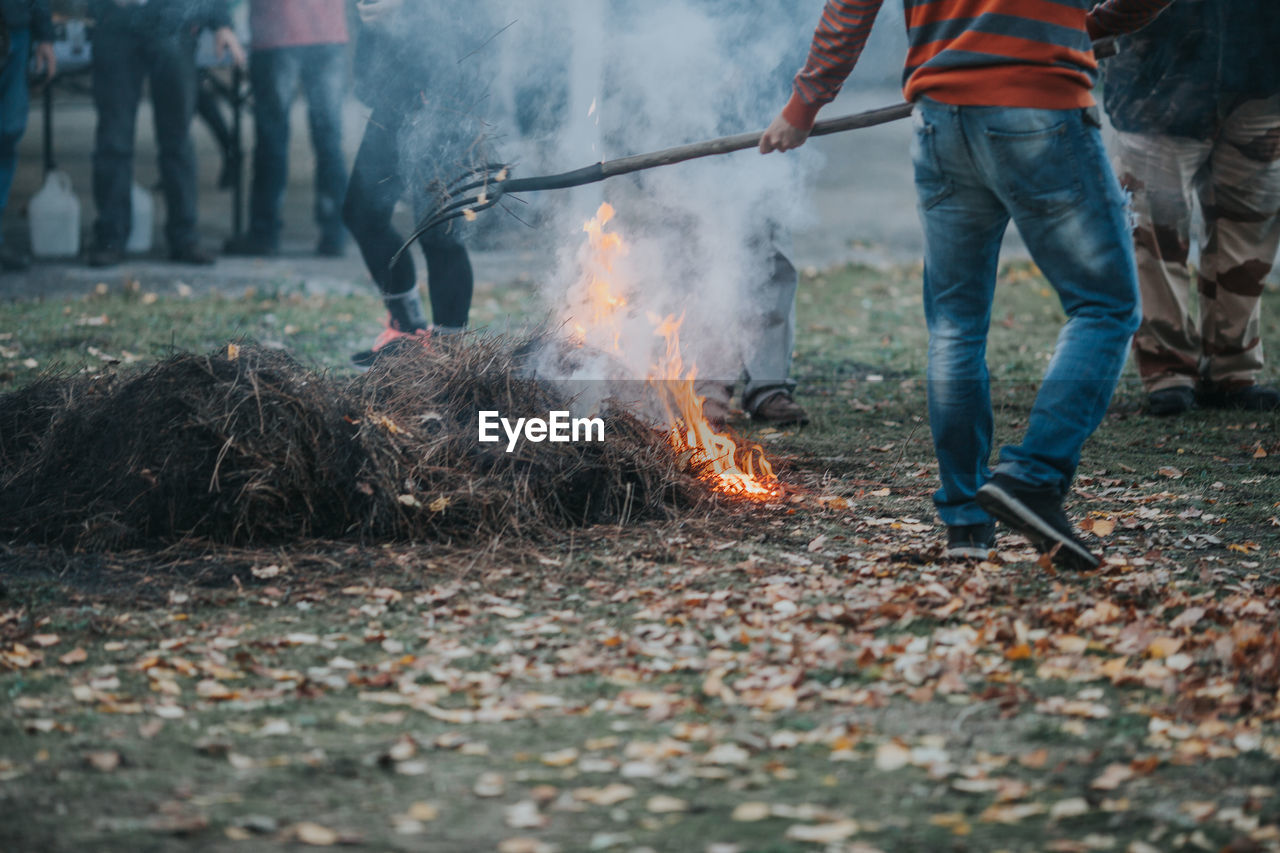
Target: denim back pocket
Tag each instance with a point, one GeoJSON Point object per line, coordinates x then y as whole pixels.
{"type": "Point", "coordinates": [932, 184]}
{"type": "Point", "coordinates": [1035, 162]}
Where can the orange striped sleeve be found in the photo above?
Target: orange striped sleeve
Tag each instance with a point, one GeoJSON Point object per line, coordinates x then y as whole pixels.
{"type": "Point", "coordinates": [837, 43]}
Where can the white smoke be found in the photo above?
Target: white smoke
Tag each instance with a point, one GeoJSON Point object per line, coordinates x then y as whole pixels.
{"type": "Point", "coordinates": [638, 77]}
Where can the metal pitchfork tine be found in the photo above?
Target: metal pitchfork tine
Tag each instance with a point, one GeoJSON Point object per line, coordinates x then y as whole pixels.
{"type": "Point", "coordinates": [480, 190]}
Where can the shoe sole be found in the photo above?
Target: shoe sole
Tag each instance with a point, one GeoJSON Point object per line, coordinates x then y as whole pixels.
{"type": "Point", "coordinates": [968, 552]}
{"type": "Point", "coordinates": [1017, 515]}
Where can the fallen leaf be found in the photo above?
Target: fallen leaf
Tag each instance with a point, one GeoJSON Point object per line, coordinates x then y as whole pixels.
{"type": "Point", "coordinates": [524, 815]}
{"type": "Point", "coordinates": [892, 756]}
{"type": "Point", "coordinates": [76, 655]}
{"type": "Point", "coordinates": [314, 835]}
{"type": "Point", "coordinates": [526, 845]}
{"type": "Point", "coordinates": [823, 833]}
{"type": "Point", "coordinates": [750, 812]}
{"type": "Point", "coordinates": [662, 804]}
{"type": "Point", "coordinates": [609, 795]}
{"type": "Point", "coordinates": [1072, 807]}
{"type": "Point", "coordinates": [490, 785]}
{"type": "Point", "coordinates": [1113, 776]}
{"type": "Point", "coordinates": [561, 758]}
{"type": "Point", "coordinates": [105, 761]}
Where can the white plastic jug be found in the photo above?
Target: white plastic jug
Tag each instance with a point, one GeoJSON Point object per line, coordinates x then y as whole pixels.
{"type": "Point", "coordinates": [142, 228]}
{"type": "Point", "coordinates": [55, 218]}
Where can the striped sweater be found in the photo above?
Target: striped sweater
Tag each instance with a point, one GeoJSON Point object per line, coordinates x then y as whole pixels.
{"type": "Point", "coordinates": [1008, 53]}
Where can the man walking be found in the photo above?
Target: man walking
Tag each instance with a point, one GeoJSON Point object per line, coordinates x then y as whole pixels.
{"type": "Point", "coordinates": [1195, 99]}
{"type": "Point", "coordinates": [1005, 129]}
{"type": "Point", "coordinates": [152, 40]}
{"type": "Point", "coordinates": [296, 42]}
{"type": "Point", "coordinates": [28, 31]}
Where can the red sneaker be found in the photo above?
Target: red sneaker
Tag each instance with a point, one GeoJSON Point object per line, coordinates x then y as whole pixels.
{"type": "Point", "coordinates": [391, 340]}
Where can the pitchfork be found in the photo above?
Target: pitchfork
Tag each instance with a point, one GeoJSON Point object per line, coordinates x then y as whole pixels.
{"type": "Point", "coordinates": [480, 190]}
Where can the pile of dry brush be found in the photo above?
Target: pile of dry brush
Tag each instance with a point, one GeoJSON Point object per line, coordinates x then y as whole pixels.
{"type": "Point", "coordinates": [248, 447]}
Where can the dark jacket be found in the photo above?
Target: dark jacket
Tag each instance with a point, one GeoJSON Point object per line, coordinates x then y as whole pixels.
{"type": "Point", "coordinates": [1197, 59]}
{"type": "Point", "coordinates": [162, 16]}
{"type": "Point", "coordinates": [28, 14]}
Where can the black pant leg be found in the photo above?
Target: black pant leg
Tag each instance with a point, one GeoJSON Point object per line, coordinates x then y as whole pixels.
{"type": "Point", "coordinates": [372, 192]}
{"type": "Point", "coordinates": [118, 71]}
{"type": "Point", "coordinates": [173, 97]}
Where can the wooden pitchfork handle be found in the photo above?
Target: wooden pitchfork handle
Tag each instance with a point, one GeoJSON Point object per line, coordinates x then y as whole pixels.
{"type": "Point", "coordinates": [483, 189]}
{"type": "Point", "coordinates": [491, 184]}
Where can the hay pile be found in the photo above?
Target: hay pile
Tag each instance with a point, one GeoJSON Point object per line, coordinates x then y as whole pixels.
{"type": "Point", "coordinates": [248, 447]}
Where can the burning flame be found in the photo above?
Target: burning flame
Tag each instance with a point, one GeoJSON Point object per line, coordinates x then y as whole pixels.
{"type": "Point", "coordinates": [740, 471]}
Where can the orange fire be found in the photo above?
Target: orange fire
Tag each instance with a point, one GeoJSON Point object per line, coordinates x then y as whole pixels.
{"type": "Point", "coordinates": [598, 313]}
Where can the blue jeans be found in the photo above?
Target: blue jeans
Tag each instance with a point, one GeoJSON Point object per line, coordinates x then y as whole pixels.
{"type": "Point", "coordinates": [13, 110]}
{"type": "Point", "coordinates": [275, 76]}
{"type": "Point", "coordinates": [976, 169]}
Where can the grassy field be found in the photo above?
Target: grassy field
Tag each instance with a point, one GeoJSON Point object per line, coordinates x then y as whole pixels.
{"type": "Point", "coordinates": [803, 675]}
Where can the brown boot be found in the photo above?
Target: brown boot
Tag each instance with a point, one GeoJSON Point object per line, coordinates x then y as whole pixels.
{"type": "Point", "coordinates": [780, 409]}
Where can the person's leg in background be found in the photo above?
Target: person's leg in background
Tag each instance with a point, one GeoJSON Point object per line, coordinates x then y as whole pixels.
{"type": "Point", "coordinates": [118, 71]}
{"type": "Point", "coordinates": [1241, 203]}
{"type": "Point", "coordinates": [1160, 172]}
{"type": "Point", "coordinates": [375, 186]}
{"type": "Point", "coordinates": [14, 105]}
{"type": "Point", "coordinates": [767, 395]}
{"type": "Point", "coordinates": [173, 98]}
{"type": "Point", "coordinates": [273, 79]}
{"type": "Point", "coordinates": [324, 80]}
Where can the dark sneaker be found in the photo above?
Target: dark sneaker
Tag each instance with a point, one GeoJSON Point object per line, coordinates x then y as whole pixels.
{"type": "Point", "coordinates": [971, 541]}
{"type": "Point", "coordinates": [105, 256]}
{"type": "Point", "coordinates": [12, 260]}
{"type": "Point", "coordinates": [389, 341]}
{"type": "Point", "coordinates": [1171, 401]}
{"type": "Point", "coordinates": [780, 409]}
{"type": "Point", "coordinates": [192, 255]}
{"type": "Point", "coordinates": [1036, 513]}
{"type": "Point", "coordinates": [1250, 398]}
{"type": "Point", "coordinates": [251, 246]}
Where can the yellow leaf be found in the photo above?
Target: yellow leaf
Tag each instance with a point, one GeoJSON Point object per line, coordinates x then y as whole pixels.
{"type": "Point", "coordinates": [233, 352]}
{"type": "Point", "coordinates": [440, 504]}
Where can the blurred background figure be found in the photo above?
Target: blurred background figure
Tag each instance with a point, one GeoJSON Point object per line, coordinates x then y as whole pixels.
{"type": "Point", "coordinates": [423, 70]}
{"type": "Point", "coordinates": [296, 43]}
{"type": "Point", "coordinates": [155, 41]}
{"type": "Point", "coordinates": [1196, 100]}
{"type": "Point", "coordinates": [768, 335]}
{"type": "Point", "coordinates": [25, 31]}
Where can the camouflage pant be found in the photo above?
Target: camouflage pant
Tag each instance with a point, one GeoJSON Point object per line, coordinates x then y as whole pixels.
{"type": "Point", "coordinates": [1236, 177]}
